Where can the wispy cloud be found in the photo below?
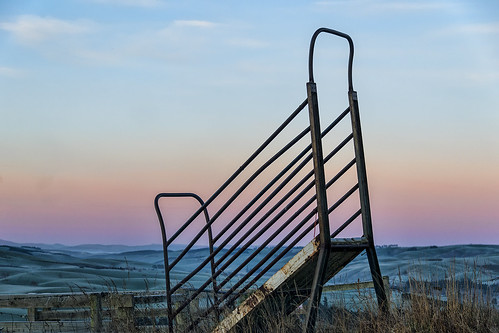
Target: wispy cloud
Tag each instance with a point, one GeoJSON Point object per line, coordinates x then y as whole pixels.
{"type": "Point", "coordinates": [411, 6]}
{"type": "Point", "coordinates": [75, 41]}
{"type": "Point", "coordinates": [31, 29]}
{"type": "Point", "coordinates": [11, 72]}
{"type": "Point", "coordinates": [376, 7]}
{"type": "Point", "coordinates": [484, 77]}
{"type": "Point", "coordinates": [489, 31]}
{"type": "Point", "coordinates": [133, 3]}
{"type": "Point", "coordinates": [478, 28]}
{"type": "Point", "coordinates": [248, 43]}
{"type": "Point", "coordinates": [194, 23]}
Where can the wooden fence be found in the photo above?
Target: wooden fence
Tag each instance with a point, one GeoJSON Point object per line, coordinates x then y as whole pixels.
{"type": "Point", "coordinates": [356, 285]}
{"type": "Point", "coordinates": [84, 312]}
{"type": "Point", "coordinates": [100, 312]}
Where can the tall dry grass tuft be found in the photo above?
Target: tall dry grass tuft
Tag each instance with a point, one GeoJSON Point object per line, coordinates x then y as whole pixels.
{"type": "Point", "coordinates": [451, 304]}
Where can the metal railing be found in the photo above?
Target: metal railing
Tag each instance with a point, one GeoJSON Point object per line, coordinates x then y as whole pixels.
{"type": "Point", "coordinates": [272, 203]}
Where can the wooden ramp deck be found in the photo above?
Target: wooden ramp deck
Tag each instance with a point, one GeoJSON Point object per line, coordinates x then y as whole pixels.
{"type": "Point", "coordinates": [292, 284]}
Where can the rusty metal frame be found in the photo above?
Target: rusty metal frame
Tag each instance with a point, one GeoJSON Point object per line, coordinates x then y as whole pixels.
{"type": "Point", "coordinates": [259, 215]}
{"type": "Point", "coordinates": [365, 210]}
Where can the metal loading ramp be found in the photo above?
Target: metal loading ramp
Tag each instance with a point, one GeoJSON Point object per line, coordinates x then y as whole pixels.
{"type": "Point", "coordinates": [303, 185]}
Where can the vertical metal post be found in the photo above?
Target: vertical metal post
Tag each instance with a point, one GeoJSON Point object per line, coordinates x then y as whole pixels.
{"type": "Point", "coordinates": [364, 200]}
{"type": "Point", "coordinates": [166, 264]}
{"type": "Point", "coordinates": [322, 209]}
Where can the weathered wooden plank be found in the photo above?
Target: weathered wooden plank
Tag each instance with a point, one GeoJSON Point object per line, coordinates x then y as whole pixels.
{"type": "Point", "coordinates": [43, 326]}
{"type": "Point", "coordinates": [154, 329]}
{"type": "Point", "coordinates": [151, 312]}
{"type": "Point", "coordinates": [150, 299]}
{"type": "Point", "coordinates": [353, 286]}
{"type": "Point", "coordinates": [118, 300]}
{"type": "Point", "coordinates": [78, 314]}
{"type": "Point", "coordinates": [291, 285]}
{"type": "Point", "coordinates": [44, 301]}
{"type": "Point", "coordinates": [64, 300]}
{"type": "Point", "coordinates": [82, 312]}
{"type": "Point", "coordinates": [58, 314]}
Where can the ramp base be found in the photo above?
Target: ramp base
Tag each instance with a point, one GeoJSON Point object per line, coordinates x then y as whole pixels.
{"type": "Point", "coordinates": [291, 285]}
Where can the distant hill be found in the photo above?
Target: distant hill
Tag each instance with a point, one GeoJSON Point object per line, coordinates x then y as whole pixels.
{"type": "Point", "coordinates": [93, 248]}
{"type": "Point", "coordinates": [27, 268]}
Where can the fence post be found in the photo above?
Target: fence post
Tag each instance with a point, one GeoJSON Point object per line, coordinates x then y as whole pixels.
{"type": "Point", "coordinates": [386, 284]}
{"type": "Point", "coordinates": [96, 312]}
{"type": "Point", "coordinates": [125, 312]}
{"type": "Point", "coordinates": [32, 314]}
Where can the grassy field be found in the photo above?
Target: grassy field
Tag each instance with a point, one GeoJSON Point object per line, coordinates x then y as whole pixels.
{"type": "Point", "coordinates": [433, 289]}
{"type": "Point", "coordinates": [455, 304]}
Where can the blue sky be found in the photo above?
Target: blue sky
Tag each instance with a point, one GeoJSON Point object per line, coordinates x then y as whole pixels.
{"type": "Point", "coordinates": [105, 103]}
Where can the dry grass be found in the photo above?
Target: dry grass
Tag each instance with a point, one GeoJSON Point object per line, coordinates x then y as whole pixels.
{"type": "Point", "coordinates": [420, 305]}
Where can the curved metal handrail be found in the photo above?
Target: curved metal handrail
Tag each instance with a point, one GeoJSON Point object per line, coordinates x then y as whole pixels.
{"type": "Point", "coordinates": [165, 246]}
{"type": "Point", "coordinates": [311, 54]}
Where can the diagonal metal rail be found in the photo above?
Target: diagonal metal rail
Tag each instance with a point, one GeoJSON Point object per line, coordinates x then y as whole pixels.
{"type": "Point", "coordinates": [265, 211]}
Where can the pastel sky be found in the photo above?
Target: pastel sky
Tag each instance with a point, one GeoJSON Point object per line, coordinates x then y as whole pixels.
{"type": "Point", "coordinates": [105, 103]}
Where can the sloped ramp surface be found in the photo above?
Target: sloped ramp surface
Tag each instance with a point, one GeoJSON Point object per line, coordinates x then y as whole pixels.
{"type": "Point", "coordinates": [291, 285]}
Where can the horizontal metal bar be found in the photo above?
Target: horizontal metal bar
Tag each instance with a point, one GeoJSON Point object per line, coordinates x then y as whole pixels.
{"type": "Point", "coordinates": [283, 253]}
{"type": "Point", "coordinates": [341, 173]}
{"type": "Point", "coordinates": [331, 182]}
{"type": "Point", "coordinates": [215, 252]}
{"type": "Point", "coordinates": [196, 270]}
{"type": "Point", "coordinates": [215, 216]}
{"type": "Point", "coordinates": [346, 224]}
{"type": "Point", "coordinates": [296, 214]}
{"type": "Point", "coordinates": [272, 252]}
{"type": "Point", "coordinates": [303, 234]}
{"type": "Point", "coordinates": [323, 134]}
{"type": "Point", "coordinates": [264, 245]}
{"type": "Point", "coordinates": [343, 198]}
{"type": "Point", "coordinates": [308, 229]}
{"type": "Point", "coordinates": [237, 173]}
{"type": "Point", "coordinates": [335, 151]}
{"type": "Point", "coordinates": [302, 208]}
{"type": "Point", "coordinates": [226, 264]}
{"type": "Point", "coordinates": [266, 188]}
{"type": "Point", "coordinates": [292, 203]}
{"type": "Point", "coordinates": [232, 296]}
{"type": "Point", "coordinates": [273, 208]}
{"type": "Point", "coordinates": [240, 240]}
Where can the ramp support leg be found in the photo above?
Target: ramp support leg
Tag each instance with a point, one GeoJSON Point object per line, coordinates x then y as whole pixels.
{"type": "Point", "coordinates": [379, 286]}
{"type": "Point", "coordinates": [322, 209]}
{"type": "Point", "coordinates": [365, 205]}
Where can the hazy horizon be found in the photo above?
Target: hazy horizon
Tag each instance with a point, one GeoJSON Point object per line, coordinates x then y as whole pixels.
{"type": "Point", "coordinates": [35, 270]}
{"type": "Point", "coordinates": [206, 245]}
